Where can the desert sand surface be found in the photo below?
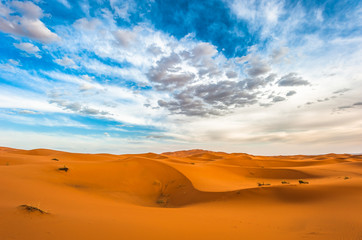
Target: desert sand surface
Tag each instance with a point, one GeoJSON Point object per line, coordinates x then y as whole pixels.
{"type": "Point", "coordinates": [192, 194]}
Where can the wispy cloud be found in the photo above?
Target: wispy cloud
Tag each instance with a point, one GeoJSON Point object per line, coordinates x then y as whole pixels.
{"type": "Point", "coordinates": [65, 3]}
{"type": "Point", "coordinates": [29, 48]}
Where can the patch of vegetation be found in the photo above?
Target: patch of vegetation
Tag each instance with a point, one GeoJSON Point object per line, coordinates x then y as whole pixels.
{"type": "Point", "coordinates": [79, 186]}
{"type": "Point", "coordinates": [55, 159]}
{"type": "Point", "coordinates": [163, 198]}
{"type": "Point", "coordinates": [156, 182]}
{"type": "Point", "coordinates": [345, 178]}
{"type": "Point", "coordinates": [65, 169]}
{"type": "Point", "coordinates": [263, 184]}
{"type": "Point", "coordinates": [303, 182]}
{"type": "Point", "coordinates": [285, 182]}
{"type": "Point", "coordinates": [32, 209]}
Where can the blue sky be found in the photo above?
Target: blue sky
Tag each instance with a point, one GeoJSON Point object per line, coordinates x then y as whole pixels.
{"type": "Point", "coordinates": [262, 77]}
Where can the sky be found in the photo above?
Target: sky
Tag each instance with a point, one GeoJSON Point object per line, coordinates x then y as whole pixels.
{"type": "Point", "coordinates": [267, 77]}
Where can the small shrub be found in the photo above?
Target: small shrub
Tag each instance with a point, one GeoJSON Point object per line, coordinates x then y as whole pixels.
{"type": "Point", "coordinates": [29, 208]}
{"type": "Point", "coordinates": [163, 199]}
{"type": "Point", "coordinates": [55, 159]}
{"type": "Point", "coordinates": [285, 182]}
{"type": "Point", "coordinates": [156, 182]}
{"type": "Point", "coordinates": [303, 182]}
{"type": "Point", "coordinates": [65, 169]}
{"type": "Point", "coordinates": [345, 178]}
{"type": "Point", "coordinates": [263, 184]}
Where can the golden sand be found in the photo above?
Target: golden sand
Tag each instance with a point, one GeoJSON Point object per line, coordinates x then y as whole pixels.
{"type": "Point", "coordinates": [181, 195]}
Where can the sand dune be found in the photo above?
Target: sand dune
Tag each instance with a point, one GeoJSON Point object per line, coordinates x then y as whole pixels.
{"type": "Point", "coordinates": [192, 194]}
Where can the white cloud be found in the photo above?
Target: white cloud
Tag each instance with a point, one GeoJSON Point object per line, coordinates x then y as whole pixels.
{"type": "Point", "coordinates": [26, 25]}
{"type": "Point", "coordinates": [203, 50]}
{"type": "Point", "coordinates": [291, 93]}
{"type": "Point", "coordinates": [262, 14]}
{"type": "Point", "coordinates": [104, 100]}
{"type": "Point", "coordinates": [25, 111]}
{"type": "Point", "coordinates": [65, 3]}
{"type": "Point", "coordinates": [87, 24]}
{"type": "Point", "coordinates": [23, 78]}
{"type": "Point", "coordinates": [319, 15]}
{"type": "Point", "coordinates": [278, 99]}
{"type": "Point", "coordinates": [272, 10]}
{"type": "Point", "coordinates": [279, 53]}
{"type": "Point", "coordinates": [27, 9]}
{"type": "Point", "coordinates": [20, 99]}
{"type": "Point", "coordinates": [257, 67]}
{"type": "Point", "coordinates": [14, 62]}
{"type": "Point", "coordinates": [292, 79]}
{"type": "Point", "coordinates": [29, 48]}
{"type": "Point", "coordinates": [66, 62]}
{"type": "Point", "coordinates": [4, 11]}
{"type": "Point", "coordinates": [86, 87]}
{"type": "Point", "coordinates": [125, 37]}
{"type": "Point", "coordinates": [31, 118]}
{"type": "Point", "coordinates": [122, 8]}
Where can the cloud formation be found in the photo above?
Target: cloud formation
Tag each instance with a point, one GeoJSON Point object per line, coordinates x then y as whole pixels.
{"type": "Point", "coordinates": [77, 107]}
{"type": "Point", "coordinates": [184, 78]}
{"type": "Point", "coordinates": [168, 75]}
{"type": "Point", "coordinates": [291, 93]}
{"type": "Point", "coordinates": [257, 67]}
{"type": "Point", "coordinates": [125, 37]}
{"type": "Point", "coordinates": [66, 62]}
{"type": "Point", "coordinates": [25, 22]}
{"type": "Point", "coordinates": [278, 99]}
{"type": "Point", "coordinates": [29, 48]}
{"type": "Point", "coordinates": [217, 98]}
{"type": "Point", "coordinates": [291, 80]}
{"type": "Point", "coordinates": [354, 105]}
{"type": "Point", "coordinates": [279, 53]}
{"type": "Point", "coordinates": [65, 3]}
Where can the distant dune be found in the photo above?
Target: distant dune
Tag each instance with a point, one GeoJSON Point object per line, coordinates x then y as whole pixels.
{"type": "Point", "coordinates": [195, 194]}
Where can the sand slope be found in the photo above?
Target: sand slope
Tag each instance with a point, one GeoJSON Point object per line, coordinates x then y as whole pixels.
{"type": "Point", "coordinates": [193, 194]}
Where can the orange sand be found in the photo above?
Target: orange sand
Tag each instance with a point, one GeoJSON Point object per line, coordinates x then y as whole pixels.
{"type": "Point", "coordinates": [182, 195]}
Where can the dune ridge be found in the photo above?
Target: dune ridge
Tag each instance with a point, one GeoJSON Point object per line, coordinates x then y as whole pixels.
{"type": "Point", "coordinates": [178, 185]}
